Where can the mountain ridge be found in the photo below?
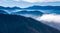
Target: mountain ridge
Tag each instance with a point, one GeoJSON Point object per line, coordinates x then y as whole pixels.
{"type": "Point", "coordinates": [44, 7]}
{"type": "Point", "coordinates": [34, 7]}
{"type": "Point", "coordinates": [20, 24]}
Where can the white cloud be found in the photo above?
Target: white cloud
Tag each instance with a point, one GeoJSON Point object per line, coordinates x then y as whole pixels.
{"type": "Point", "coordinates": [52, 20]}
{"type": "Point", "coordinates": [33, 1]}
{"type": "Point", "coordinates": [17, 0]}
{"type": "Point", "coordinates": [26, 3]}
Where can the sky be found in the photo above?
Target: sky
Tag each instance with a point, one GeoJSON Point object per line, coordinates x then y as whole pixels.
{"type": "Point", "coordinates": [27, 3]}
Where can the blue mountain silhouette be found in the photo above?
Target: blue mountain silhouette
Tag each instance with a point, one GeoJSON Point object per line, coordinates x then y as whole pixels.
{"type": "Point", "coordinates": [34, 7]}
{"type": "Point", "coordinates": [3, 12]}
{"type": "Point", "coordinates": [9, 8]}
{"type": "Point", "coordinates": [44, 7]}
{"type": "Point", "coordinates": [36, 13]}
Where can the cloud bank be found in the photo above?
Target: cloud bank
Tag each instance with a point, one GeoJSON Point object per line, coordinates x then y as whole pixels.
{"type": "Point", "coordinates": [52, 20]}
{"type": "Point", "coordinates": [33, 1]}
{"type": "Point", "coordinates": [27, 3]}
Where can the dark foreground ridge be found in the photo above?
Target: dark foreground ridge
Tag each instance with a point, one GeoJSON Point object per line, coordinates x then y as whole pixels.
{"type": "Point", "coordinates": [20, 24]}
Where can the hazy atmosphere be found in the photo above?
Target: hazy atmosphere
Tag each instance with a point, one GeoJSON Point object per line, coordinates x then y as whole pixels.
{"type": "Point", "coordinates": [29, 16]}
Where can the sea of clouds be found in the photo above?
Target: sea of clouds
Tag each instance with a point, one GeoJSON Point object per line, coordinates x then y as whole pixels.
{"type": "Point", "coordinates": [52, 20]}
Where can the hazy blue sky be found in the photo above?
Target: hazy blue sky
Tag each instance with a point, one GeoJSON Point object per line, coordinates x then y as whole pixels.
{"type": "Point", "coordinates": [27, 3]}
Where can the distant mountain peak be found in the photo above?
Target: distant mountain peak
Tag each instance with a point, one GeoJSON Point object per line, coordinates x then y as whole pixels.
{"type": "Point", "coordinates": [9, 8]}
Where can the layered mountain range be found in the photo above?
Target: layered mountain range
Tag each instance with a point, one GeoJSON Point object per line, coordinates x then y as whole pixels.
{"type": "Point", "coordinates": [37, 11]}
{"type": "Point", "coordinates": [34, 7]}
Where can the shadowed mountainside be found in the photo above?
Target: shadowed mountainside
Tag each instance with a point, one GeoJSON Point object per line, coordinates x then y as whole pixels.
{"type": "Point", "coordinates": [20, 24]}
{"type": "Point", "coordinates": [3, 12]}
{"type": "Point", "coordinates": [27, 13]}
